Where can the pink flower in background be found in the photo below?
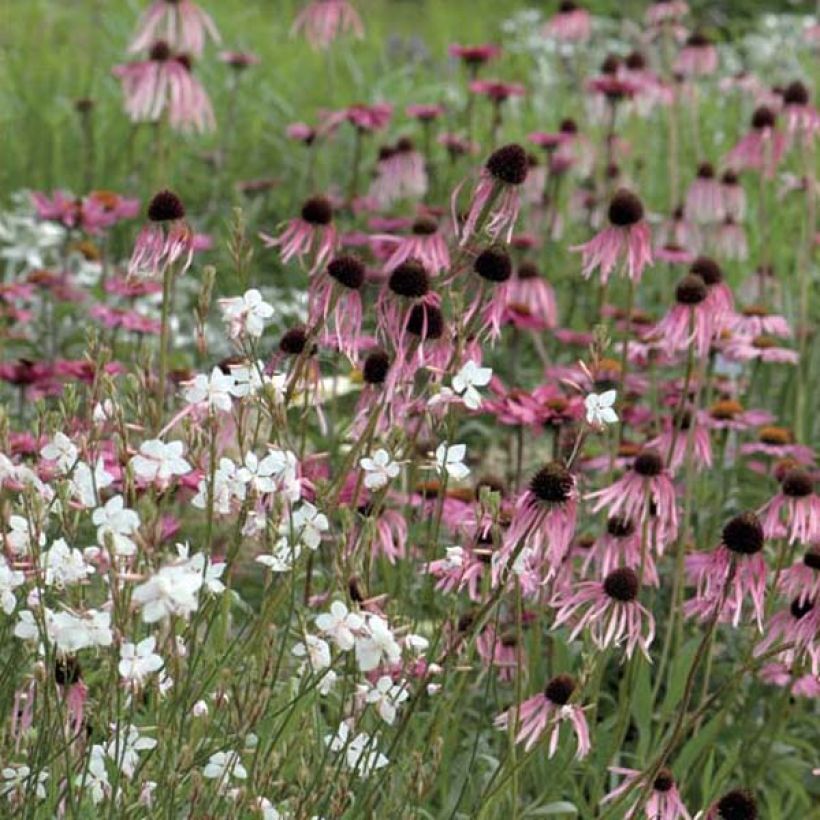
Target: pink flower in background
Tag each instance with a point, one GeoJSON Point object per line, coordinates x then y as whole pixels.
{"type": "Point", "coordinates": [311, 234]}
{"type": "Point", "coordinates": [762, 148]}
{"type": "Point", "coordinates": [475, 56]}
{"type": "Point", "coordinates": [688, 321]}
{"type": "Point", "coordinates": [571, 23]}
{"type": "Point", "coordinates": [424, 243]}
{"type": "Point", "coordinates": [181, 23]}
{"type": "Point", "coordinates": [322, 21]}
{"type": "Point", "coordinates": [704, 199]}
{"type": "Point", "coordinates": [166, 240]}
{"type": "Point", "coordinates": [698, 57]}
{"type": "Point", "coordinates": [798, 504]}
{"type": "Point", "coordinates": [530, 300]}
{"type": "Point", "coordinates": [664, 801]}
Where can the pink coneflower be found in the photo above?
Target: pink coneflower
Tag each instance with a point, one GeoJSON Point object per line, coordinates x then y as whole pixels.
{"type": "Point", "coordinates": [802, 579]}
{"type": "Point", "coordinates": [322, 21]}
{"type": "Point", "coordinates": [704, 201]}
{"type": "Point", "coordinates": [725, 576]}
{"type": "Point", "coordinates": [688, 322]}
{"type": "Point", "coordinates": [730, 242]}
{"type": "Point", "coordinates": [424, 112]}
{"type": "Point", "coordinates": [407, 284]}
{"type": "Point", "coordinates": [400, 174]}
{"type": "Point", "coordinates": [497, 91]}
{"type": "Point", "coordinates": [544, 516]}
{"type": "Point", "coordinates": [801, 116]}
{"type": "Point", "coordinates": [571, 23]}
{"type": "Point", "coordinates": [610, 610]}
{"type": "Point", "coordinates": [547, 710]}
{"type": "Point", "coordinates": [335, 300]}
{"type": "Point", "coordinates": [239, 60]}
{"type": "Point", "coordinates": [662, 11]}
{"type": "Point", "coordinates": [181, 23]}
{"type": "Point", "coordinates": [664, 801]}
{"type": "Point", "coordinates": [530, 300]}
{"type": "Point", "coordinates": [755, 320]}
{"type": "Point", "coordinates": [165, 83]}
{"type": "Point", "coordinates": [620, 546]}
{"type": "Point", "coordinates": [496, 195]}
{"type": "Point", "coordinates": [758, 348]}
{"type": "Point", "coordinates": [698, 57]}
{"type": "Point", "coordinates": [778, 443]}
{"type": "Point", "coordinates": [626, 240]}
{"type": "Point", "coordinates": [302, 132]}
{"type": "Point", "coordinates": [678, 231]}
{"type": "Point", "coordinates": [367, 118]}
{"type": "Point", "coordinates": [500, 650]}
{"type": "Point", "coordinates": [729, 414]}
{"type": "Point", "coordinates": [456, 145]}
{"type": "Point", "coordinates": [475, 56]}
{"type": "Point", "coordinates": [461, 568]}
{"type": "Point", "coordinates": [312, 234]}
{"type": "Point", "coordinates": [762, 148]}
{"type": "Point", "coordinates": [676, 444]}
{"type": "Point", "coordinates": [645, 490]}
{"type": "Point", "coordinates": [166, 240]}
{"type": "Point", "coordinates": [673, 254]}
{"type": "Point", "coordinates": [798, 504]}
{"type": "Point", "coordinates": [424, 243]}
{"type": "Point", "coordinates": [719, 300]}
{"type": "Point", "coordinates": [734, 805]}
{"type": "Point", "coordinates": [733, 197]}
{"type": "Point", "coordinates": [92, 214]}
{"type": "Point", "coordinates": [799, 627]}
{"type": "Point", "coordinates": [493, 267]}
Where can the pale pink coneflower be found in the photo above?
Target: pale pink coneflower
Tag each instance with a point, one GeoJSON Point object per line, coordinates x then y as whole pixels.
{"type": "Point", "coordinates": [761, 348]}
{"type": "Point", "coordinates": [530, 300]}
{"type": "Point", "coordinates": [301, 132]}
{"type": "Point", "coordinates": [688, 322]}
{"type": "Point", "coordinates": [798, 504]}
{"type": "Point", "coordinates": [704, 200]}
{"type": "Point", "coordinates": [544, 517]}
{"type": "Point", "coordinates": [610, 610]}
{"type": "Point", "coordinates": [627, 240]}
{"type": "Point", "coordinates": [238, 60]}
{"type": "Point", "coordinates": [500, 650]}
{"type": "Point", "coordinates": [166, 240]}
{"type": "Point", "coordinates": [677, 231]}
{"type": "Point", "coordinates": [546, 711]}
{"type": "Point", "coordinates": [664, 11]}
{"type": "Point", "coordinates": [730, 242]}
{"type": "Point", "coordinates": [778, 443]}
{"type": "Point", "coordinates": [335, 301]}
{"type": "Point", "coordinates": [798, 626]}
{"type": "Point", "coordinates": [664, 801]}
{"type": "Point", "coordinates": [734, 805]}
{"type": "Point", "coordinates": [368, 118]}
{"type": "Point", "coordinates": [496, 195]}
{"type": "Point", "coordinates": [165, 84]}
{"type": "Point", "coordinates": [407, 284]}
{"type": "Point", "coordinates": [400, 174]}
{"type": "Point", "coordinates": [802, 579]}
{"type": "Point", "coordinates": [733, 197]}
{"type": "Point", "coordinates": [802, 119]}
{"type": "Point", "coordinates": [181, 23]}
{"type": "Point", "coordinates": [311, 234]}
{"type": "Point", "coordinates": [676, 444]}
{"type": "Point", "coordinates": [644, 491]}
{"type": "Point", "coordinates": [674, 254]}
{"type": "Point", "coordinates": [719, 300]}
{"type": "Point", "coordinates": [762, 148]}
{"type": "Point", "coordinates": [728, 574]}
{"type": "Point", "coordinates": [424, 243]}
{"type": "Point", "coordinates": [497, 91]}
{"type": "Point", "coordinates": [698, 57]}
{"type": "Point", "coordinates": [461, 568]}
{"type": "Point", "coordinates": [620, 546]}
{"type": "Point", "coordinates": [92, 214]}
{"type": "Point", "coordinates": [475, 56]}
{"type": "Point", "coordinates": [493, 267]}
{"type": "Point", "coordinates": [424, 112]}
{"type": "Point", "coordinates": [571, 23]}
{"type": "Point", "coordinates": [756, 320]}
{"type": "Point", "coordinates": [322, 21]}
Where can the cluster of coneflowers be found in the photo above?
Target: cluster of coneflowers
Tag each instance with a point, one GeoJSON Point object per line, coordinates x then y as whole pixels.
{"type": "Point", "coordinates": [252, 575]}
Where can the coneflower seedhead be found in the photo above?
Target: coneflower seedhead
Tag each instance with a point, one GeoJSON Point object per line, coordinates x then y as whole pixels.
{"type": "Point", "coordinates": [706, 170]}
{"type": "Point", "coordinates": [409, 279]}
{"type": "Point", "coordinates": [812, 558]}
{"type": "Point", "coordinates": [763, 117]}
{"type": "Point", "coordinates": [559, 690]}
{"type": "Point", "coordinates": [67, 671]}
{"type": "Point", "coordinates": [293, 341]}
{"type": "Point", "coordinates": [635, 61]}
{"type": "Point", "coordinates": [620, 527]}
{"type": "Point", "coordinates": [508, 164]}
{"type": "Point", "coordinates": [426, 321]}
{"type": "Point", "coordinates": [648, 463]}
{"type": "Point", "coordinates": [376, 365]}
{"type": "Point", "coordinates": [160, 52]}
{"type": "Point", "coordinates": [625, 209]}
{"type": "Point", "coordinates": [166, 206]}
{"type": "Point", "coordinates": [317, 211]}
{"type": "Point", "coordinates": [743, 534]}
{"type": "Point", "coordinates": [493, 264]}
{"type": "Point", "coordinates": [622, 585]}
{"type": "Point", "coordinates": [799, 609]}
{"type": "Point", "coordinates": [797, 483]}
{"type": "Point", "coordinates": [796, 94]}
{"type": "Point", "coordinates": [553, 483]}
{"type": "Point", "coordinates": [424, 226]}
{"type": "Point", "coordinates": [348, 271]}
{"type": "Point", "coordinates": [737, 805]}
{"type": "Point", "coordinates": [691, 290]}
{"type": "Point", "coordinates": [708, 270]}
{"type": "Point", "coordinates": [664, 781]}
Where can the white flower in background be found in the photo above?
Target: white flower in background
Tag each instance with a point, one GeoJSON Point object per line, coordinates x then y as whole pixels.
{"type": "Point", "coordinates": [286, 470]}
{"type": "Point", "coordinates": [223, 766]}
{"type": "Point", "coordinates": [115, 522]}
{"type": "Point", "coordinates": [174, 590]}
{"type": "Point", "coordinates": [267, 809]}
{"type": "Point", "coordinates": [307, 525]}
{"type": "Point", "coordinates": [379, 470]}
{"type": "Point", "coordinates": [216, 391]}
{"type": "Point", "coordinates": [229, 486]}
{"type": "Point", "coordinates": [201, 567]}
{"type": "Point", "coordinates": [18, 538]}
{"type": "Point", "coordinates": [138, 661]}
{"type": "Point", "coordinates": [339, 740]}
{"type": "Point", "coordinates": [104, 411]}
{"type": "Point", "coordinates": [13, 782]}
{"type": "Point", "coordinates": [282, 558]}
{"type": "Point", "coordinates": [68, 632]}
{"type": "Point", "coordinates": [10, 579]}
{"type": "Point", "coordinates": [95, 778]}
{"type": "Point", "coordinates": [376, 643]}
{"type": "Point", "coordinates": [363, 757]}
{"type": "Point", "coordinates": [416, 643]}
{"type": "Point", "coordinates": [26, 626]}
{"type": "Point", "coordinates": [327, 682]}
{"type": "Point", "coordinates": [158, 461]}
{"type": "Point", "coordinates": [450, 459]}
{"type": "Point", "coordinates": [64, 566]}
{"type": "Point", "coordinates": [340, 624]}
{"type": "Point", "coordinates": [246, 314]}
{"type": "Point", "coordinates": [262, 474]}
{"type": "Point", "coordinates": [315, 650]}
{"type": "Point", "coordinates": [248, 378]}
{"type": "Point", "coordinates": [130, 743]}
{"type": "Point", "coordinates": [386, 696]}
{"type": "Point", "coordinates": [87, 486]}
{"type": "Point", "coordinates": [599, 408]}
{"type": "Point", "coordinates": [468, 379]}
{"type": "Point", "coordinates": [62, 451]}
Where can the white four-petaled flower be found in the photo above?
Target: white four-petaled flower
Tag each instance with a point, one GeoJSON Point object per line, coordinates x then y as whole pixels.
{"type": "Point", "coordinates": [599, 408]}
{"type": "Point", "coordinates": [468, 379]}
{"type": "Point", "coordinates": [450, 459]}
{"type": "Point", "coordinates": [379, 470]}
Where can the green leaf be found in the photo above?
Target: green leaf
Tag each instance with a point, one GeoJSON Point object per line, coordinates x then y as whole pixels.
{"type": "Point", "coordinates": [676, 679]}
{"type": "Point", "coordinates": [702, 740]}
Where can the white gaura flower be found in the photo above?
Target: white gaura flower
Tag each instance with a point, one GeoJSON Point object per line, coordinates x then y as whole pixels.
{"type": "Point", "coordinates": [86, 485]}
{"type": "Point", "coordinates": [379, 470]}
{"type": "Point", "coordinates": [468, 379]}
{"type": "Point", "coordinates": [174, 590]}
{"type": "Point", "coordinates": [386, 696]}
{"type": "Point", "coordinates": [363, 757]}
{"type": "Point", "coordinates": [95, 779]}
{"type": "Point", "coordinates": [223, 766]}
{"type": "Point", "coordinates": [130, 742]}
{"type": "Point", "coordinates": [64, 566]}
{"type": "Point", "coordinates": [261, 474]}
{"type": "Point", "coordinates": [10, 579]}
{"type": "Point", "coordinates": [282, 558]}
{"type": "Point", "coordinates": [115, 522]}
{"type": "Point", "coordinates": [340, 624]}
{"type": "Point", "coordinates": [229, 486]}
{"type": "Point", "coordinates": [159, 462]}
{"type": "Point", "coordinates": [216, 391]}
{"type": "Point", "coordinates": [450, 459]}
{"type": "Point", "coordinates": [599, 408]}
{"type": "Point", "coordinates": [138, 661]}
{"type": "Point", "coordinates": [315, 650]}
{"type": "Point", "coordinates": [62, 451]}
{"type": "Point", "coordinates": [307, 524]}
{"type": "Point", "coordinates": [245, 315]}
{"type": "Point", "coordinates": [14, 782]}
{"type": "Point", "coordinates": [22, 534]}
{"type": "Point", "coordinates": [375, 644]}
{"type": "Point", "coordinates": [71, 633]}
